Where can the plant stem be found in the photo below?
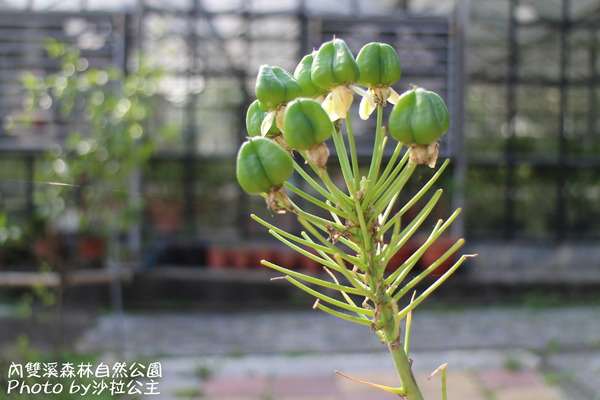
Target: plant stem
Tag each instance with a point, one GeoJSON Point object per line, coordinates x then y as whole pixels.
{"type": "Point", "coordinates": [402, 363]}
{"type": "Point", "coordinates": [342, 153]}
{"type": "Point", "coordinates": [391, 163]}
{"type": "Point", "coordinates": [314, 184]}
{"type": "Point", "coordinates": [361, 312]}
{"type": "Point", "coordinates": [342, 199]}
{"type": "Point", "coordinates": [444, 392]}
{"type": "Point", "coordinates": [392, 191]}
{"type": "Point", "coordinates": [353, 155]}
{"type": "Point", "coordinates": [388, 177]}
{"type": "Point", "coordinates": [377, 148]}
{"type": "Point", "coordinates": [326, 206]}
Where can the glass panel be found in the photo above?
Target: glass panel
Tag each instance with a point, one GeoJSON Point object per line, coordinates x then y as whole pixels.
{"type": "Point", "coordinates": [535, 201]}
{"type": "Point", "coordinates": [222, 5]}
{"type": "Point", "coordinates": [582, 53]}
{"type": "Point", "coordinates": [485, 125]}
{"type": "Point", "coordinates": [534, 10]}
{"type": "Point", "coordinates": [484, 200]}
{"type": "Point", "coordinates": [583, 121]}
{"type": "Point", "coordinates": [539, 53]}
{"type": "Point", "coordinates": [217, 132]}
{"type": "Point", "coordinates": [166, 125]}
{"type": "Point", "coordinates": [164, 197]}
{"type": "Point", "coordinates": [582, 193]}
{"type": "Point", "coordinates": [537, 120]}
{"type": "Point", "coordinates": [488, 35]}
{"type": "Point", "coordinates": [217, 206]}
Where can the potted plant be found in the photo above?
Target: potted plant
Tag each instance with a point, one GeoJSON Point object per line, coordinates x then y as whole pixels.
{"type": "Point", "coordinates": [164, 193]}
{"type": "Point", "coordinates": [293, 122]}
{"type": "Point", "coordinates": [107, 142]}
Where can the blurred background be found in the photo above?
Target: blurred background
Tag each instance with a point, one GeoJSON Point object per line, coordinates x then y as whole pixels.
{"type": "Point", "coordinates": [154, 218]}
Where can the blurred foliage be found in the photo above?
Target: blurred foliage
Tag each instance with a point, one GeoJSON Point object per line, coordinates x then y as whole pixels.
{"type": "Point", "coordinates": [106, 112]}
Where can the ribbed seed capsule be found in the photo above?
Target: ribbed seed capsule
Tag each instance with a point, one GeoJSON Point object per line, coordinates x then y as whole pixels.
{"type": "Point", "coordinates": [306, 124]}
{"type": "Point", "coordinates": [276, 86]}
{"type": "Point", "coordinates": [254, 118]}
{"type": "Point", "coordinates": [379, 65]}
{"type": "Point", "coordinates": [419, 117]}
{"type": "Point", "coordinates": [262, 165]}
{"type": "Point", "coordinates": [334, 65]}
{"type": "Point", "coordinates": [303, 74]}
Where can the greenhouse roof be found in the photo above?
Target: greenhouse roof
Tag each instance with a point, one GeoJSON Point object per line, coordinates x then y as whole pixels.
{"type": "Point", "coordinates": [338, 7]}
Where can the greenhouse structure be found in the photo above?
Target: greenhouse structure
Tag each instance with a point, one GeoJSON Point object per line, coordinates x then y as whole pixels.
{"type": "Point", "coordinates": [521, 79]}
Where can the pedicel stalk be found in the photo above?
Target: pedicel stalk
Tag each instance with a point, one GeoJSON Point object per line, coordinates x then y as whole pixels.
{"type": "Point", "coordinates": [291, 126]}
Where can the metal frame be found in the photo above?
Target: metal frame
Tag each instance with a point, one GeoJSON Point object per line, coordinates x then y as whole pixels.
{"type": "Point", "coordinates": [306, 31]}
{"type": "Point", "coordinates": [561, 162]}
{"type": "Point", "coordinates": [209, 54]}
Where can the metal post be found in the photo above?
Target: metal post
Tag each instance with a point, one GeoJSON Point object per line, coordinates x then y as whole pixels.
{"type": "Point", "coordinates": [189, 158]}
{"type": "Point", "coordinates": [457, 85]}
{"type": "Point", "coordinates": [561, 211]}
{"type": "Point", "coordinates": [511, 111]}
{"type": "Point", "coordinates": [592, 96]}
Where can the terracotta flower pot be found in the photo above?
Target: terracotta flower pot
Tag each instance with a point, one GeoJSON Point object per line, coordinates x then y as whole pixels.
{"type": "Point", "coordinates": [285, 257]}
{"type": "Point", "coordinates": [401, 256]}
{"type": "Point", "coordinates": [91, 249]}
{"type": "Point", "coordinates": [434, 252]}
{"type": "Point", "coordinates": [49, 249]}
{"type": "Point", "coordinates": [257, 254]}
{"type": "Point", "coordinates": [166, 216]}
{"type": "Point", "coordinates": [309, 265]}
{"type": "Point", "coordinates": [240, 257]}
{"type": "Point", "coordinates": [217, 257]}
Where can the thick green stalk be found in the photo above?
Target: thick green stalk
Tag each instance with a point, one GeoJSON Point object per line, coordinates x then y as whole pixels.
{"type": "Point", "coordinates": [444, 392]}
{"type": "Point", "coordinates": [364, 229]}
{"type": "Point", "coordinates": [386, 315]}
{"type": "Point", "coordinates": [403, 368]}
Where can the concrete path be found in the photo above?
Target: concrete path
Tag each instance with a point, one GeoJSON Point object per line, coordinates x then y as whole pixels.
{"type": "Point", "coordinates": [492, 353]}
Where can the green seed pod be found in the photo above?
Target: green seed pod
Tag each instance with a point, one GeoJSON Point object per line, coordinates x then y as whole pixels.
{"type": "Point", "coordinates": [275, 86]}
{"type": "Point", "coordinates": [303, 76]}
{"type": "Point", "coordinates": [306, 124]}
{"type": "Point", "coordinates": [334, 65]}
{"type": "Point", "coordinates": [254, 118]}
{"type": "Point", "coordinates": [262, 165]}
{"type": "Point", "coordinates": [419, 117]}
{"type": "Point", "coordinates": [379, 65]}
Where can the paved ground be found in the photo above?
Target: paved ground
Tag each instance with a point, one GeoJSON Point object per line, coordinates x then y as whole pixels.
{"type": "Point", "coordinates": [493, 353]}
